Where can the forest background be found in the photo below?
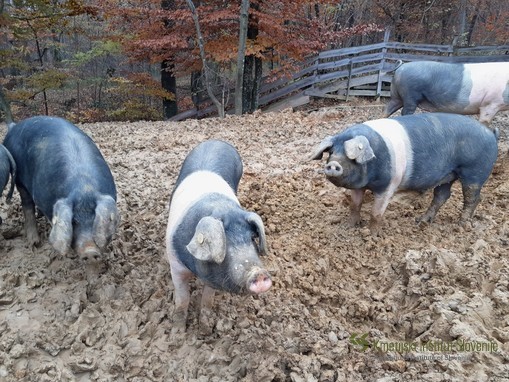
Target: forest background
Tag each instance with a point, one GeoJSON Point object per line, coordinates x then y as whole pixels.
{"type": "Point", "coordinates": [114, 60]}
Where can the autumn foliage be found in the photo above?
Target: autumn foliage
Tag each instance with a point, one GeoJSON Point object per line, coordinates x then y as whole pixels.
{"type": "Point", "coordinates": [89, 60]}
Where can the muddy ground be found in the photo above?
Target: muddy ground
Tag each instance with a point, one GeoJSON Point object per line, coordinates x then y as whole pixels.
{"type": "Point", "coordinates": [64, 320]}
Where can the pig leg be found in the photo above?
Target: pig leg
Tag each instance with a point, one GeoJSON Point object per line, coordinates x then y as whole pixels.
{"type": "Point", "coordinates": [409, 107]}
{"type": "Point", "coordinates": [180, 276]}
{"type": "Point", "coordinates": [207, 300]}
{"type": "Point", "coordinates": [471, 198]}
{"type": "Point", "coordinates": [440, 195]}
{"type": "Point", "coordinates": [393, 106]}
{"type": "Point", "coordinates": [379, 206]}
{"type": "Point", "coordinates": [28, 206]}
{"type": "Point", "coordinates": [356, 197]}
{"type": "Point", "coordinates": [486, 114]}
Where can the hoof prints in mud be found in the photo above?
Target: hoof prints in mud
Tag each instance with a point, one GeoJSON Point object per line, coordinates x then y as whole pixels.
{"type": "Point", "coordinates": [62, 319]}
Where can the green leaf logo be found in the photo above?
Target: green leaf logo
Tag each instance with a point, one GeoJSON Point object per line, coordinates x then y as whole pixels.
{"type": "Point", "coordinates": [360, 341]}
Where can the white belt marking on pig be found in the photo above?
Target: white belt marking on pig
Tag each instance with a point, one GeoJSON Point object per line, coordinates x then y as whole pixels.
{"type": "Point", "coordinates": [489, 81]}
{"type": "Point", "coordinates": [398, 144]}
{"type": "Point", "coordinates": [193, 189]}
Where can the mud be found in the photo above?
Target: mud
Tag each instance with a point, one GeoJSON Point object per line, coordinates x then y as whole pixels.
{"type": "Point", "coordinates": [441, 283]}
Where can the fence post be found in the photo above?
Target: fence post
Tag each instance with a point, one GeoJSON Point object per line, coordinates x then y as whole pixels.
{"type": "Point", "coordinates": [315, 71]}
{"type": "Point", "coordinates": [452, 47]}
{"type": "Point", "coordinates": [350, 66]}
{"type": "Point", "coordinates": [382, 63]}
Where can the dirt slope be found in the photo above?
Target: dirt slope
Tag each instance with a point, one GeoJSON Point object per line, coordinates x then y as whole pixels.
{"type": "Point", "coordinates": [63, 320]}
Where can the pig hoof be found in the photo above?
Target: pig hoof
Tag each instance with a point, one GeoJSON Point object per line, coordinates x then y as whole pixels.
{"type": "Point", "coordinates": [33, 240]}
{"type": "Point", "coordinates": [375, 228]}
{"type": "Point", "coordinates": [354, 222]}
{"type": "Point", "coordinates": [424, 219]}
{"type": "Point", "coordinates": [178, 320]}
{"type": "Point", "coordinates": [207, 322]}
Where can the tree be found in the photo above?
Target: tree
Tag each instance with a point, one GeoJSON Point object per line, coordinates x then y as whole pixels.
{"type": "Point", "coordinates": [239, 95]}
{"type": "Point", "coordinates": [252, 68]}
{"type": "Point", "coordinates": [168, 80]}
{"type": "Point", "coordinates": [206, 69]}
{"type": "Point", "coordinates": [286, 33]}
{"type": "Point", "coordinates": [31, 36]}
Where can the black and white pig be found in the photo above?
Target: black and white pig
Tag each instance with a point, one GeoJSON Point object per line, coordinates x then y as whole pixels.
{"type": "Point", "coordinates": [61, 171]}
{"type": "Point", "coordinates": [7, 170]}
{"type": "Point", "coordinates": [450, 87]}
{"type": "Point", "coordinates": [414, 152]}
{"type": "Point", "coordinates": [209, 234]}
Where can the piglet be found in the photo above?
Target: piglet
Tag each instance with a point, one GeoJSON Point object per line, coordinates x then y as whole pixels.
{"type": "Point", "coordinates": [209, 234]}
{"type": "Point", "coordinates": [414, 152]}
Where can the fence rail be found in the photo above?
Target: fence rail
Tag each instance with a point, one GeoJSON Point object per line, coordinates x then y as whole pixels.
{"type": "Point", "coordinates": [357, 71]}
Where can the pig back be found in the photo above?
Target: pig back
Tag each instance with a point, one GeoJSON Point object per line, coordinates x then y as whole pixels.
{"type": "Point", "coordinates": [216, 156]}
{"type": "Point", "coordinates": [54, 159]}
{"type": "Point", "coordinates": [444, 143]}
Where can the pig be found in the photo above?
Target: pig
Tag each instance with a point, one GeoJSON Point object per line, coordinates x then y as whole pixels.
{"type": "Point", "coordinates": [7, 169]}
{"type": "Point", "coordinates": [452, 88]}
{"type": "Point", "coordinates": [413, 152]}
{"type": "Point", "coordinates": [61, 171]}
{"type": "Point", "coordinates": [210, 235]}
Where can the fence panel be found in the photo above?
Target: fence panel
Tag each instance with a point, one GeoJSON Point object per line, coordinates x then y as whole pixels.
{"type": "Point", "coordinates": [361, 70]}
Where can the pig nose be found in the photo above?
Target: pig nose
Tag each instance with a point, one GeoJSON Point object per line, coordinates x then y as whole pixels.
{"type": "Point", "coordinates": [90, 252]}
{"type": "Point", "coordinates": [259, 282]}
{"type": "Point", "coordinates": [333, 168]}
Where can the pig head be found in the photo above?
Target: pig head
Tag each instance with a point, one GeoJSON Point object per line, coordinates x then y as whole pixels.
{"type": "Point", "coordinates": [346, 164]}
{"type": "Point", "coordinates": [86, 225]}
{"type": "Point", "coordinates": [231, 244]}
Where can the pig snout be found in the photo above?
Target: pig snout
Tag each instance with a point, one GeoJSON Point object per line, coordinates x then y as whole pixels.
{"type": "Point", "coordinates": [258, 281]}
{"type": "Point", "coordinates": [333, 169]}
{"type": "Point", "coordinates": [89, 252]}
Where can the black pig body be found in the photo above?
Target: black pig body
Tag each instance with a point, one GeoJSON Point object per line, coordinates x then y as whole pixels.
{"type": "Point", "coordinates": [62, 173]}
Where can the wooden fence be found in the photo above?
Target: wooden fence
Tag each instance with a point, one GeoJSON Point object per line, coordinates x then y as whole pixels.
{"type": "Point", "coordinates": [357, 71]}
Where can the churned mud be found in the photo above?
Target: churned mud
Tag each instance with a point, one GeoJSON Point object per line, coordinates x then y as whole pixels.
{"type": "Point", "coordinates": [340, 297]}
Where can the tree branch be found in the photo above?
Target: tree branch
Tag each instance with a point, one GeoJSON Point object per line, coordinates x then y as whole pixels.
{"type": "Point", "coordinates": [219, 105]}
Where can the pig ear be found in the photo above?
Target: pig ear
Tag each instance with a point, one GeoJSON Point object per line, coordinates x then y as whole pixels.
{"type": "Point", "coordinates": [106, 220]}
{"type": "Point", "coordinates": [60, 236]}
{"type": "Point", "coordinates": [325, 145]}
{"type": "Point", "coordinates": [209, 241]}
{"type": "Point", "coordinates": [358, 148]}
{"type": "Point", "coordinates": [256, 220]}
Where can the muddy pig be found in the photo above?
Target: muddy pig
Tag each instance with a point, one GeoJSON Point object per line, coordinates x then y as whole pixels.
{"type": "Point", "coordinates": [63, 174]}
{"type": "Point", "coordinates": [7, 169]}
{"type": "Point", "coordinates": [453, 88]}
{"type": "Point", "coordinates": [414, 152]}
{"type": "Point", "coordinates": [209, 234]}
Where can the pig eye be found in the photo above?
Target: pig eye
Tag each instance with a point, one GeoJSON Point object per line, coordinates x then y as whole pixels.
{"type": "Point", "coordinates": [255, 238]}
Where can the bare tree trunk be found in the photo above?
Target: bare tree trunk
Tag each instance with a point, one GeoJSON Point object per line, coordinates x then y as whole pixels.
{"type": "Point", "coordinates": [6, 108]}
{"type": "Point", "coordinates": [168, 80]}
{"type": "Point", "coordinates": [252, 69]}
{"type": "Point", "coordinates": [219, 105]}
{"type": "Point", "coordinates": [471, 27]}
{"type": "Point", "coordinates": [40, 55]}
{"type": "Point", "coordinates": [169, 83]}
{"type": "Point", "coordinates": [462, 22]}
{"type": "Point", "coordinates": [244, 10]}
